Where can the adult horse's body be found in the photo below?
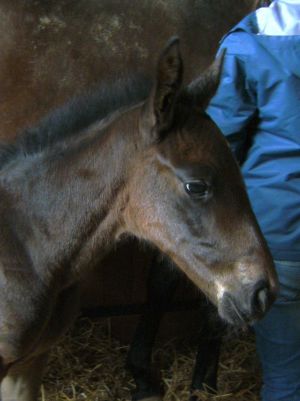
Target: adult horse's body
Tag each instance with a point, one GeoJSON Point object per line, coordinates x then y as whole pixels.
{"type": "Point", "coordinates": [61, 207]}
{"type": "Point", "coordinates": [52, 50]}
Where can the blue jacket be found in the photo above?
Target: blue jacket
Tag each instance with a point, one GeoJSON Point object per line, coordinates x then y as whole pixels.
{"type": "Point", "coordinates": [261, 81]}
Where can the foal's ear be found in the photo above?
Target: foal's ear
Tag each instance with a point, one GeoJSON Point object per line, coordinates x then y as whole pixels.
{"type": "Point", "coordinates": [161, 104]}
{"type": "Point", "coordinates": [203, 88]}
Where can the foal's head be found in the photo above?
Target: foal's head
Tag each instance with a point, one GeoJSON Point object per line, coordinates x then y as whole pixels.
{"type": "Point", "coordinates": [188, 198]}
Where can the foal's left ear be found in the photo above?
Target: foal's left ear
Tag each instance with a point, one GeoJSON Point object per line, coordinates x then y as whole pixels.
{"type": "Point", "coordinates": [160, 108]}
{"type": "Point", "coordinates": [203, 88]}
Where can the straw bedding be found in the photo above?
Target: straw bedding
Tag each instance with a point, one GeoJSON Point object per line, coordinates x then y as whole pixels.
{"type": "Point", "coordinates": [88, 364]}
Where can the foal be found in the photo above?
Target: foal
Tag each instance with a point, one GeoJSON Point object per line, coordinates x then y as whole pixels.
{"type": "Point", "coordinates": [157, 169]}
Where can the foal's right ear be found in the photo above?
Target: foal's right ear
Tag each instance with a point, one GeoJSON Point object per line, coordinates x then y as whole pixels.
{"type": "Point", "coordinates": [203, 88]}
{"type": "Point", "coordinates": [159, 112]}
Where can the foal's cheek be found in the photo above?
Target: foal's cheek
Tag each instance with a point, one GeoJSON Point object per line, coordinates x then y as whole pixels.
{"type": "Point", "coordinates": [142, 216]}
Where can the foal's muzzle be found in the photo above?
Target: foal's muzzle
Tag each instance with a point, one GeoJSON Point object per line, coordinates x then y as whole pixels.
{"type": "Point", "coordinates": [3, 369]}
{"type": "Point", "coordinates": [247, 305]}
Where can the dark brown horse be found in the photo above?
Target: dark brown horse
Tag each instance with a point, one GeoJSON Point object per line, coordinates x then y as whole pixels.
{"type": "Point", "coordinates": [71, 186]}
{"type": "Point", "coordinates": [157, 169]}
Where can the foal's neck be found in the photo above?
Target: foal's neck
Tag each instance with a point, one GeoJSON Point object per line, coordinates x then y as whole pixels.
{"type": "Point", "coordinates": [72, 198]}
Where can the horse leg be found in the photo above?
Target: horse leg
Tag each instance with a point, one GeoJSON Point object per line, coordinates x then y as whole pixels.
{"type": "Point", "coordinates": [161, 284]}
{"type": "Point", "coordinates": [207, 359]}
{"type": "Point", "coordinates": [23, 382]}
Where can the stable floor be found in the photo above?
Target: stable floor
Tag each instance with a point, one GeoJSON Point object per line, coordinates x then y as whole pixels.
{"type": "Point", "coordinates": [88, 365]}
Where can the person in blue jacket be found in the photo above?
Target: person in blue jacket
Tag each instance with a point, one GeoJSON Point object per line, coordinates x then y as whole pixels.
{"type": "Point", "coordinates": [261, 86]}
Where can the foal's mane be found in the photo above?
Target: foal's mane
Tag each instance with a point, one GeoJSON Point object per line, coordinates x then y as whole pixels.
{"type": "Point", "coordinates": [76, 115]}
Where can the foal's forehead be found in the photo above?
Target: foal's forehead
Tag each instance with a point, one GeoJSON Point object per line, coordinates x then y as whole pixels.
{"type": "Point", "coordinates": [199, 141]}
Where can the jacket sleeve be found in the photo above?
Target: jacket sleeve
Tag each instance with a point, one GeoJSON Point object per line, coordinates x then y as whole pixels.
{"type": "Point", "coordinates": [234, 105]}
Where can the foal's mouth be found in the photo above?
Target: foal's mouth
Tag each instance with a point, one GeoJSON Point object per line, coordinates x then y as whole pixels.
{"type": "Point", "coordinates": [3, 369]}
{"type": "Point", "coordinates": [234, 315]}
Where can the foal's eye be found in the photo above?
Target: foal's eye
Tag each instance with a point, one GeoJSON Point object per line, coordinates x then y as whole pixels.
{"type": "Point", "coordinates": [197, 189]}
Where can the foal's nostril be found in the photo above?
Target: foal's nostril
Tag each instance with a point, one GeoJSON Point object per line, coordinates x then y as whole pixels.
{"type": "Point", "coordinates": [261, 298]}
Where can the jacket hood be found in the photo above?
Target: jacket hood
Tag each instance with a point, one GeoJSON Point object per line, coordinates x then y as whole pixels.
{"type": "Point", "coordinates": [285, 49]}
